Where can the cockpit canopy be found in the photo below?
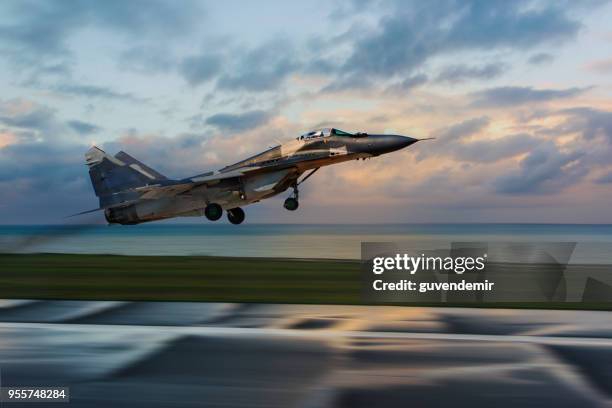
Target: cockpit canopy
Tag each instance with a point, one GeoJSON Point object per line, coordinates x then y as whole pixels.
{"type": "Point", "coordinates": [326, 132]}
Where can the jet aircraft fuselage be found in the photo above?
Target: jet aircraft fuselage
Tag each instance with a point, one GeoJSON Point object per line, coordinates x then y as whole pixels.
{"type": "Point", "coordinates": [130, 192]}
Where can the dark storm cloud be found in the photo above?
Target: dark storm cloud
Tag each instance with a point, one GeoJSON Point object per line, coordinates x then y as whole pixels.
{"type": "Point", "coordinates": [461, 73]}
{"type": "Point", "coordinates": [83, 128]}
{"type": "Point", "coordinates": [200, 68]}
{"type": "Point", "coordinates": [406, 38]}
{"type": "Point", "coordinates": [544, 170]}
{"type": "Point", "coordinates": [240, 121]}
{"type": "Point", "coordinates": [517, 95]}
{"type": "Point", "coordinates": [541, 58]}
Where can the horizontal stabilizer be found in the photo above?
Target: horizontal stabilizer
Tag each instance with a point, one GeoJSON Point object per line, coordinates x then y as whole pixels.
{"type": "Point", "coordinates": [84, 212]}
{"type": "Point", "coordinates": [134, 163]}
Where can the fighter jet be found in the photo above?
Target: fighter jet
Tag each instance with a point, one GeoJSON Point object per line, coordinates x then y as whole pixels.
{"type": "Point", "coordinates": [131, 192]}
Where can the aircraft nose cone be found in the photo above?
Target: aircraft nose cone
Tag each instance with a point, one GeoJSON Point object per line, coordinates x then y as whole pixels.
{"type": "Point", "coordinates": [388, 143]}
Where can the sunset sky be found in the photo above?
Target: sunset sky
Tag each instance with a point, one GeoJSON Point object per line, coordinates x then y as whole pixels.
{"type": "Point", "coordinates": [517, 93]}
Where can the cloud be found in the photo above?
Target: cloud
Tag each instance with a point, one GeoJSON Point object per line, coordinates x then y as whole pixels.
{"type": "Point", "coordinates": [589, 122]}
{"type": "Point", "coordinates": [83, 128]}
{"type": "Point", "coordinates": [93, 91]}
{"type": "Point", "coordinates": [44, 28]}
{"type": "Point", "coordinates": [43, 181]}
{"type": "Point", "coordinates": [541, 58]}
{"type": "Point", "coordinates": [605, 179]}
{"type": "Point", "coordinates": [43, 164]}
{"type": "Point", "coordinates": [200, 68]}
{"type": "Point", "coordinates": [348, 83]}
{"type": "Point", "coordinates": [148, 59]}
{"type": "Point", "coordinates": [37, 38]}
{"type": "Point", "coordinates": [408, 84]}
{"type": "Point", "coordinates": [544, 170]}
{"type": "Point", "coordinates": [461, 73]}
{"type": "Point", "coordinates": [260, 69]}
{"type": "Point", "coordinates": [456, 142]}
{"type": "Point", "coordinates": [6, 138]}
{"type": "Point", "coordinates": [489, 151]}
{"type": "Point", "coordinates": [33, 122]}
{"type": "Point", "coordinates": [238, 122]}
{"type": "Point", "coordinates": [40, 171]}
{"type": "Point", "coordinates": [21, 113]}
{"type": "Point", "coordinates": [517, 95]}
{"type": "Point", "coordinates": [409, 36]}
{"type": "Point", "coordinates": [67, 86]}
{"type": "Point", "coordinates": [601, 66]}
{"type": "Point", "coordinates": [462, 130]}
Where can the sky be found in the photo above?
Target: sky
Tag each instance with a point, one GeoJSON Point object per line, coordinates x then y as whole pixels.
{"type": "Point", "coordinates": [518, 95]}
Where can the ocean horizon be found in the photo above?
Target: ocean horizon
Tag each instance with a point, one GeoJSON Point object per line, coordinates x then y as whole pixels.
{"type": "Point", "coordinates": [334, 241]}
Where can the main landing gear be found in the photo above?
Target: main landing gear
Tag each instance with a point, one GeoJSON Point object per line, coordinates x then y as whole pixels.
{"type": "Point", "coordinates": [213, 211]}
{"type": "Point", "coordinates": [235, 215]}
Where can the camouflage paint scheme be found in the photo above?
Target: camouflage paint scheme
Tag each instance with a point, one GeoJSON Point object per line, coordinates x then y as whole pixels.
{"type": "Point", "coordinates": [130, 192]}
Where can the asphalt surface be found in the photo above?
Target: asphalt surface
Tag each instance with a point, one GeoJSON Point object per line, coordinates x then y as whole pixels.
{"type": "Point", "coordinates": [156, 354]}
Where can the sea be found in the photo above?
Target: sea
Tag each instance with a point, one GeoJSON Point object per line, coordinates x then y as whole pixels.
{"type": "Point", "coordinates": [328, 241]}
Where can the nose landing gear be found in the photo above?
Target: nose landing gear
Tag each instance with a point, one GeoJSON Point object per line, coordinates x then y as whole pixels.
{"type": "Point", "coordinates": [292, 203]}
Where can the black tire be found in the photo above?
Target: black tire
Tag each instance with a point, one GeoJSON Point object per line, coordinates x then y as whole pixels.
{"type": "Point", "coordinates": [291, 204]}
{"type": "Point", "coordinates": [235, 215]}
{"type": "Point", "coordinates": [213, 211]}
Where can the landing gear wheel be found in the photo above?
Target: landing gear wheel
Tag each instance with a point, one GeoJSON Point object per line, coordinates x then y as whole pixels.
{"type": "Point", "coordinates": [235, 215]}
{"type": "Point", "coordinates": [213, 211]}
{"type": "Point", "coordinates": [291, 204]}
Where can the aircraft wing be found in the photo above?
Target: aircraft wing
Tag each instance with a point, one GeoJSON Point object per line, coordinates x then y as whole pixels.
{"type": "Point", "coordinates": [214, 177]}
{"type": "Point", "coordinates": [156, 191]}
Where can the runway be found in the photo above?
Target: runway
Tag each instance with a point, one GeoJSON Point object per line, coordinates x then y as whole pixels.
{"type": "Point", "coordinates": [159, 354]}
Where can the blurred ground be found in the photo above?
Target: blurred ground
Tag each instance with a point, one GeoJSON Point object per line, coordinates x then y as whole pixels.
{"type": "Point", "coordinates": [261, 280]}
{"type": "Point", "coordinates": [157, 354]}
